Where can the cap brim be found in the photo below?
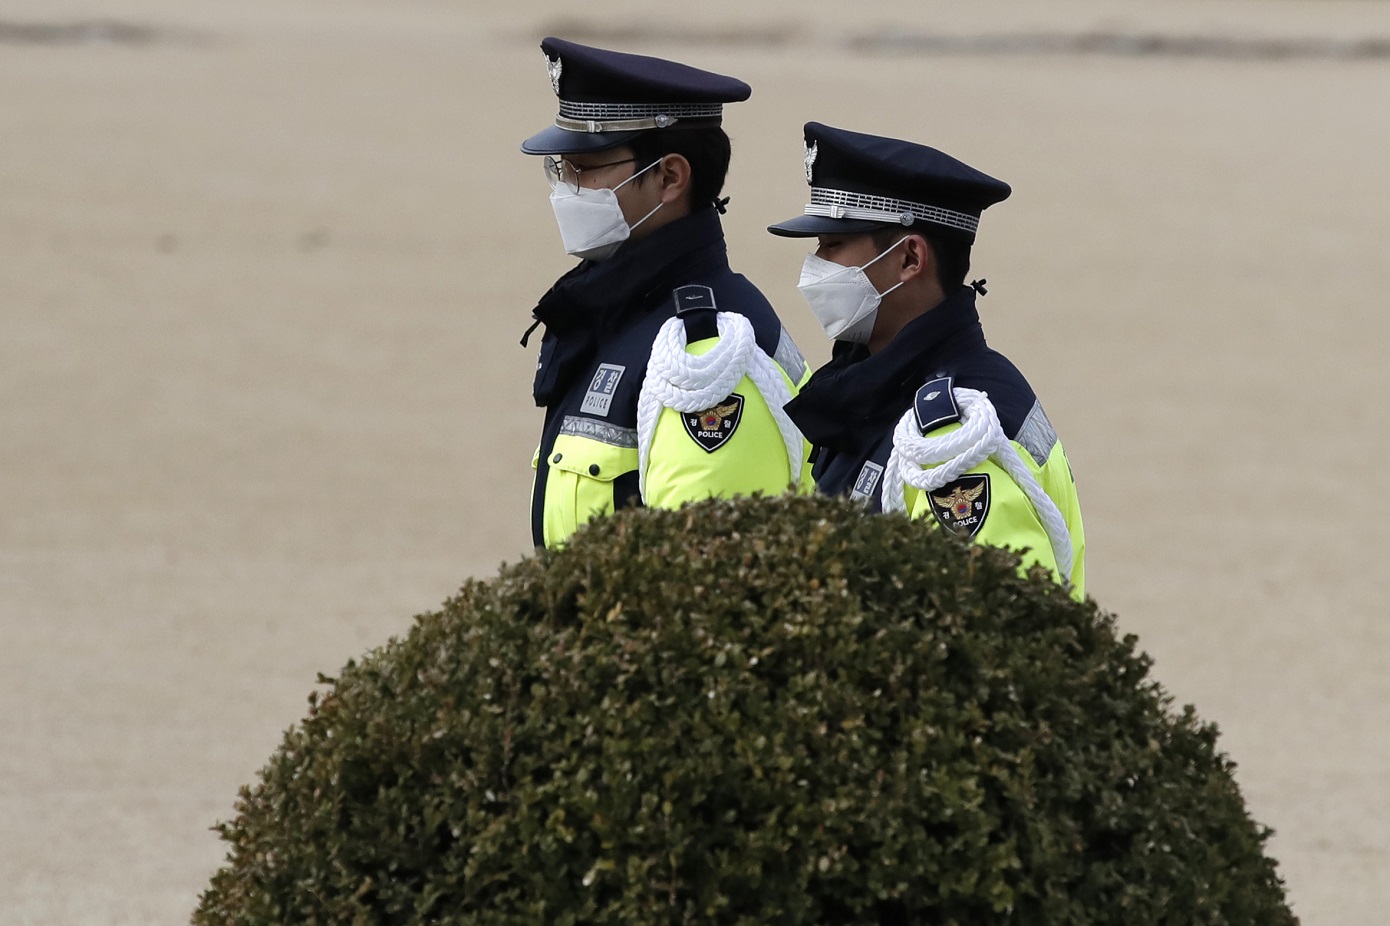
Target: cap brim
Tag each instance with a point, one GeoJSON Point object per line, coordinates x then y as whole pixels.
{"type": "Point", "coordinates": [809, 226]}
{"type": "Point", "coordinates": [555, 140]}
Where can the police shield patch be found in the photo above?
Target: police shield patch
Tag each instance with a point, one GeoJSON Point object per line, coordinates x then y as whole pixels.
{"type": "Point", "coordinates": [963, 505]}
{"type": "Point", "coordinates": [713, 427]}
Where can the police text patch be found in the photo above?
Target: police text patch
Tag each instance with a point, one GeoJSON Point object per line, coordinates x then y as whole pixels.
{"type": "Point", "coordinates": [963, 505]}
{"type": "Point", "coordinates": [866, 481]}
{"type": "Point", "coordinates": [713, 427]}
{"type": "Point", "coordinates": [599, 398]}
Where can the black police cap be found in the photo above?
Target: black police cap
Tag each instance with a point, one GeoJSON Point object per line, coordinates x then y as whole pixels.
{"type": "Point", "coordinates": [861, 183]}
{"type": "Point", "coordinates": [607, 98]}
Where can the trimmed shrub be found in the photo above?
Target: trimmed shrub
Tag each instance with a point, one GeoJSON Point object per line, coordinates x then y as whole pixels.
{"type": "Point", "coordinates": [766, 711]}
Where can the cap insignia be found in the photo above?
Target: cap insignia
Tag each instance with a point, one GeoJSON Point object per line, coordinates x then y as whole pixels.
{"type": "Point", "coordinates": [554, 67]}
{"type": "Point", "coordinates": [811, 151]}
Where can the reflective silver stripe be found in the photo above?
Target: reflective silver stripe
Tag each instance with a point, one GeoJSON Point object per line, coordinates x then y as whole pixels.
{"type": "Point", "coordinates": [1036, 435]}
{"type": "Point", "coordinates": [583, 112]}
{"type": "Point", "coordinates": [630, 117]}
{"type": "Point", "coordinates": [789, 358]}
{"type": "Point", "coordinates": [613, 125]}
{"type": "Point", "coordinates": [841, 204]}
{"type": "Point", "coordinates": [601, 431]}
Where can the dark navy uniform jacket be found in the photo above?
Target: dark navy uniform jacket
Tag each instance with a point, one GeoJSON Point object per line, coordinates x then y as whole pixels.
{"type": "Point", "coordinates": [850, 406]}
{"type": "Point", "coordinates": [600, 321]}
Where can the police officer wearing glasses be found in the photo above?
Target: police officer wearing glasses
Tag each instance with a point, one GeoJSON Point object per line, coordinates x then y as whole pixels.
{"type": "Point", "coordinates": [915, 412]}
{"type": "Point", "coordinates": [663, 374]}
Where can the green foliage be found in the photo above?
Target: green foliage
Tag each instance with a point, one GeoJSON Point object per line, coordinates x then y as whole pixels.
{"type": "Point", "coordinates": [768, 711]}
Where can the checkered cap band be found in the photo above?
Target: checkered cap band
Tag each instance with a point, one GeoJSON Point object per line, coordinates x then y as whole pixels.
{"type": "Point", "coordinates": [610, 112]}
{"type": "Point", "coordinates": [840, 204]}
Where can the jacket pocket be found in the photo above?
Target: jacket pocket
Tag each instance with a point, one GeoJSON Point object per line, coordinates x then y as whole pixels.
{"type": "Point", "coordinates": [580, 483]}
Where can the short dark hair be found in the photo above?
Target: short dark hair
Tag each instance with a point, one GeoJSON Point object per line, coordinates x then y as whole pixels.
{"type": "Point", "coordinates": [952, 254]}
{"type": "Point", "coordinates": [707, 149]}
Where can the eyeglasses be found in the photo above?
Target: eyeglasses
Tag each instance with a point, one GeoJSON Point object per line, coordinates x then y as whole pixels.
{"type": "Point", "coordinates": [559, 171]}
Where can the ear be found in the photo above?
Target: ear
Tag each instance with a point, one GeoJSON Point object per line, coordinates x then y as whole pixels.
{"type": "Point", "coordinates": [673, 178]}
{"type": "Point", "coordinates": [918, 259]}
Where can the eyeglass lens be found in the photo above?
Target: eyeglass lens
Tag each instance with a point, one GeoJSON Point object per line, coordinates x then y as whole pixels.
{"type": "Point", "coordinates": [558, 170]}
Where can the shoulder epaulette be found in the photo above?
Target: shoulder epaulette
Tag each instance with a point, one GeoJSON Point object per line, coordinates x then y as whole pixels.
{"type": "Point", "coordinates": [935, 405]}
{"type": "Point", "coordinates": [695, 306]}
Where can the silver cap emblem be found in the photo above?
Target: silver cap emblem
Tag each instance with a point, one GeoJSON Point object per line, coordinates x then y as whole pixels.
{"type": "Point", "coordinates": [554, 67]}
{"type": "Point", "coordinates": [811, 151]}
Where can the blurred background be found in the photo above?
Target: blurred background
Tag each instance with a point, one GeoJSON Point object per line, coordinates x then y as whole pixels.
{"type": "Point", "coordinates": [264, 265]}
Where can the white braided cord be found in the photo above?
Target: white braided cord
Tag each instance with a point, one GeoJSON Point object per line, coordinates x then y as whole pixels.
{"type": "Point", "coordinates": [687, 382]}
{"type": "Point", "coordinates": [930, 462]}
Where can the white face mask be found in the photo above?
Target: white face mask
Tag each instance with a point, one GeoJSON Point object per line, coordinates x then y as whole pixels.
{"type": "Point", "coordinates": [842, 298]}
{"type": "Point", "coordinates": [592, 225]}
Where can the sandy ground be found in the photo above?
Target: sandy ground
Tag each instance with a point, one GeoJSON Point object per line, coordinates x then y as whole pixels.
{"type": "Point", "coordinates": [264, 263]}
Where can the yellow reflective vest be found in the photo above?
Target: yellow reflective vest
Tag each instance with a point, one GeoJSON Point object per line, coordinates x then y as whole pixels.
{"type": "Point", "coordinates": [851, 408]}
{"type": "Point", "coordinates": [988, 505]}
{"type": "Point", "coordinates": [605, 322]}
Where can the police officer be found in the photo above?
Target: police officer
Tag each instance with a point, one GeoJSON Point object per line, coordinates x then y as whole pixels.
{"type": "Point", "coordinates": [915, 412]}
{"type": "Point", "coordinates": [663, 374]}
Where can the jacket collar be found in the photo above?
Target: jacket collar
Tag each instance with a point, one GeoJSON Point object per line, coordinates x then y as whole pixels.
{"type": "Point", "coordinates": [599, 294]}
{"type": "Point", "coordinates": [597, 297]}
{"type": "Point", "coordinates": [857, 394]}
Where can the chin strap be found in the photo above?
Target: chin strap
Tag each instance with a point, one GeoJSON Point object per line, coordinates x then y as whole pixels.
{"type": "Point", "coordinates": [686, 382]}
{"type": "Point", "coordinates": [928, 463]}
